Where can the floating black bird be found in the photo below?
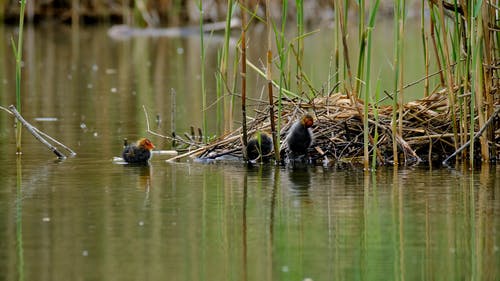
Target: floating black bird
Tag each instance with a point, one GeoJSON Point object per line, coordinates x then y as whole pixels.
{"type": "Point", "coordinates": [139, 152]}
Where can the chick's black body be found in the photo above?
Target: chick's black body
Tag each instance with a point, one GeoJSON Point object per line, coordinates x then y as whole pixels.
{"type": "Point", "coordinates": [134, 154]}
{"type": "Point", "coordinates": [138, 153]}
{"type": "Point", "coordinates": [299, 137]}
{"type": "Point", "coordinates": [259, 148]}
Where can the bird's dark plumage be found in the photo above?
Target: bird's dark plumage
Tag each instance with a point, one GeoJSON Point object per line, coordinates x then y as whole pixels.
{"type": "Point", "coordinates": [300, 136]}
{"type": "Point", "coordinates": [259, 146]}
{"type": "Point", "coordinates": [139, 152]}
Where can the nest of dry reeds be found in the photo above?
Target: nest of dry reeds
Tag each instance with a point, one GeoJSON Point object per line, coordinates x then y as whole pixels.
{"type": "Point", "coordinates": [427, 131]}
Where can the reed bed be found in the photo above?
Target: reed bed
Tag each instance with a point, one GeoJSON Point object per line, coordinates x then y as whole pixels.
{"type": "Point", "coordinates": [458, 119]}
{"type": "Point", "coordinates": [339, 131]}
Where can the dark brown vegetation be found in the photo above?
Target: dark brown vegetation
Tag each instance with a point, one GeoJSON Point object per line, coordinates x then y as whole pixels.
{"type": "Point", "coordinates": [158, 12]}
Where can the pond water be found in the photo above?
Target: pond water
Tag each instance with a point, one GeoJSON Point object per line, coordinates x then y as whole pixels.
{"type": "Point", "coordinates": [87, 218]}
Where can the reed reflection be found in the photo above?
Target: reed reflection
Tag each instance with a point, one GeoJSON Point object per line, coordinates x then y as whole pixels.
{"type": "Point", "coordinates": [19, 220]}
{"type": "Point", "coordinates": [244, 241]}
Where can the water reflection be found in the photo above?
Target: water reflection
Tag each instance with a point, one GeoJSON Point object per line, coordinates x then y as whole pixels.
{"type": "Point", "coordinates": [19, 220]}
{"type": "Point", "coordinates": [141, 173]}
{"type": "Point", "coordinates": [244, 230]}
{"type": "Point", "coordinates": [265, 223]}
{"type": "Point", "coordinates": [88, 218]}
{"type": "Point", "coordinates": [299, 182]}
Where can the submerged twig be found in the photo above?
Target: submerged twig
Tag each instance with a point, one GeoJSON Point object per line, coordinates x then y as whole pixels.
{"type": "Point", "coordinates": [477, 135]}
{"type": "Point", "coordinates": [6, 110]}
{"type": "Point", "coordinates": [37, 134]}
{"type": "Point", "coordinates": [55, 141]}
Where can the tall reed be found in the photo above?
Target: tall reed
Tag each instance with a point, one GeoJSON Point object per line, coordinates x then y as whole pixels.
{"type": "Point", "coordinates": [222, 76]}
{"type": "Point", "coordinates": [243, 77]}
{"type": "Point", "coordinates": [202, 70]}
{"type": "Point", "coordinates": [397, 105]}
{"type": "Point", "coordinates": [280, 45]}
{"type": "Point", "coordinates": [425, 51]}
{"type": "Point", "coordinates": [468, 70]}
{"type": "Point", "coordinates": [474, 49]}
{"type": "Point", "coordinates": [448, 73]}
{"type": "Point", "coordinates": [18, 53]}
{"type": "Point", "coordinates": [368, 88]}
{"type": "Point", "coordinates": [342, 18]}
{"type": "Point", "coordinates": [19, 219]}
{"type": "Point", "coordinates": [375, 107]}
{"type": "Point", "coordinates": [362, 40]}
{"type": "Point", "coordinates": [269, 78]}
{"type": "Point", "coordinates": [219, 88]}
{"type": "Point", "coordinates": [300, 42]}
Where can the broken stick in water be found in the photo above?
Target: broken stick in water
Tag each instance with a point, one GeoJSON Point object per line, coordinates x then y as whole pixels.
{"type": "Point", "coordinates": [38, 134]}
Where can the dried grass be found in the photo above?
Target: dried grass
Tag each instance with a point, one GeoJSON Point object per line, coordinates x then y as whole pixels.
{"type": "Point", "coordinates": [338, 131]}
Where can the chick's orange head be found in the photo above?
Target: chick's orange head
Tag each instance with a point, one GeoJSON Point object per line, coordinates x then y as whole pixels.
{"type": "Point", "coordinates": [146, 143]}
{"type": "Point", "coordinates": [307, 120]}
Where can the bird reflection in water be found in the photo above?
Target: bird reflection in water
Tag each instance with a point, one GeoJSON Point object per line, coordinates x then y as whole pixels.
{"type": "Point", "coordinates": [143, 173]}
{"type": "Point", "coordinates": [300, 183]}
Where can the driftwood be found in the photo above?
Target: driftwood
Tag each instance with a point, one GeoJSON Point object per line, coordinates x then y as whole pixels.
{"type": "Point", "coordinates": [39, 135]}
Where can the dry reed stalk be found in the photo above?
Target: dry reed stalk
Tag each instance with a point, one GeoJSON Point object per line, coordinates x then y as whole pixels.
{"type": "Point", "coordinates": [449, 75]}
{"type": "Point", "coordinates": [243, 79]}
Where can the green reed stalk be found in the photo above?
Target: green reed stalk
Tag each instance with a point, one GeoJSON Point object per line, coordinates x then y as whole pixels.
{"type": "Point", "coordinates": [473, 69]}
{"type": "Point", "coordinates": [402, 19]}
{"type": "Point", "coordinates": [282, 54]}
{"type": "Point", "coordinates": [366, 127]}
{"type": "Point", "coordinates": [487, 96]}
{"type": "Point", "coordinates": [269, 78]}
{"type": "Point", "coordinates": [375, 116]}
{"type": "Point", "coordinates": [424, 48]}
{"type": "Point", "coordinates": [300, 42]}
{"type": "Point", "coordinates": [227, 37]}
{"type": "Point", "coordinates": [468, 103]}
{"type": "Point", "coordinates": [19, 220]}
{"type": "Point", "coordinates": [397, 57]}
{"type": "Point", "coordinates": [448, 74]}
{"type": "Point", "coordinates": [362, 42]}
{"type": "Point", "coordinates": [490, 49]}
{"type": "Point", "coordinates": [243, 79]}
{"type": "Point", "coordinates": [18, 53]}
{"type": "Point", "coordinates": [361, 65]}
{"type": "Point", "coordinates": [219, 87]}
{"type": "Point", "coordinates": [345, 52]}
{"type": "Point", "coordinates": [224, 59]}
{"type": "Point", "coordinates": [280, 44]}
{"type": "Point", "coordinates": [438, 49]}
{"type": "Point", "coordinates": [477, 80]}
{"type": "Point", "coordinates": [203, 87]}
{"type": "Point", "coordinates": [457, 48]}
{"type": "Point", "coordinates": [338, 43]}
